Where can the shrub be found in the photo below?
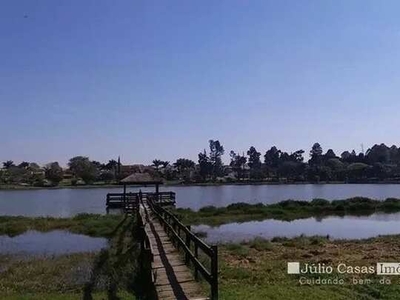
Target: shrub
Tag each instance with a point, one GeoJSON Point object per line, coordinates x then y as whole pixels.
{"type": "Point", "coordinates": [320, 202]}
{"type": "Point", "coordinates": [208, 209]}
{"type": "Point", "coordinates": [261, 244]}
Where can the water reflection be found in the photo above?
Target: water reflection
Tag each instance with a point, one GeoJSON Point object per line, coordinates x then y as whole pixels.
{"type": "Point", "coordinates": [50, 243]}
{"type": "Point", "coordinates": [69, 202]}
{"type": "Point", "coordinates": [347, 227]}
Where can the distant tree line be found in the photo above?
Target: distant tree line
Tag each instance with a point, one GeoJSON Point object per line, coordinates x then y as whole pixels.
{"type": "Point", "coordinates": [377, 164]}
{"type": "Point", "coordinates": [81, 170]}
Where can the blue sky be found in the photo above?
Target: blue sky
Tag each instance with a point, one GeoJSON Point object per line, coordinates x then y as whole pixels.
{"type": "Point", "coordinates": [158, 79]}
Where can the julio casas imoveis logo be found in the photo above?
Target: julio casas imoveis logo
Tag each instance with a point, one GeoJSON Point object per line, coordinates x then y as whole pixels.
{"type": "Point", "coordinates": [338, 270]}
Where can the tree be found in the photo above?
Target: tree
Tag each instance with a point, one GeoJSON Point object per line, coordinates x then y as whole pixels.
{"type": "Point", "coordinates": [82, 167]}
{"type": "Point", "coordinates": [16, 175]}
{"type": "Point", "coordinates": [329, 154]}
{"type": "Point", "coordinates": [254, 163]}
{"type": "Point", "coordinates": [297, 156]}
{"type": "Point", "coordinates": [315, 154]}
{"type": "Point", "coordinates": [272, 159]}
{"type": "Point", "coordinates": [23, 165]}
{"type": "Point", "coordinates": [184, 166]}
{"type": "Point", "coordinates": [205, 165]}
{"type": "Point", "coordinates": [216, 151]}
{"type": "Point", "coordinates": [54, 173]}
{"type": "Point", "coordinates": [33, 166]}
{"type": "Point", "coordinates": [111, 165]}
{"type": "Point", "coordinates": [107, 176]}
{"type": "Point", "coordinates": [288, 169]}
{"type": "Point", "coordinates": [394, 154]}
{"type": "Point", "coordinates": [272, 156]}
{"type": "Point", "coordinates": [345, 155]}
{"type": "Point", "coordinates": [237, 164]}
{"type": "Point", "coordinates": [8, 164]}
{"type": "Point", "coordinates": [254, 158]}
{"type": "Point", "coordinates": [378, 153]}
{"type": "Point", "coordinates": [357, 171]}
{"type": "Point", "coordinates": [98, 165]}
{"type": "Point", "coordinates": [157, 164]}
{"type": "Point", "coordinates": [377, 170]}
{"type": "Point", "coordinates": [165, 164]}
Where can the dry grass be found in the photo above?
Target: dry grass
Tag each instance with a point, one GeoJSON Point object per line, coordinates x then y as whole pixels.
{"type": "Point", "coordinates": [259, 272]}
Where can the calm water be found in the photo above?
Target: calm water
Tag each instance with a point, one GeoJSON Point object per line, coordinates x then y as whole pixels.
{"type": "Point", "coordinates": [337, 227]}
{"type": "Point", "coordinates": [68, 202]}
{"type": "Point", "coordinates": [50, 243]}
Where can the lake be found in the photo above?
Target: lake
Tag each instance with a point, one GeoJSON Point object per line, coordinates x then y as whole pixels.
{"type": "Point", "coordinates": [69, 202]}
{"type": "Point", "coordinates": [348, 227]}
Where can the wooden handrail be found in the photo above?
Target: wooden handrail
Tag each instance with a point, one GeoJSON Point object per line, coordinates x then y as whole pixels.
{"type": "Point", "coordinates": [120, 199]}
{"type": "Point", "coordinates": [171, 223]}
{"type": "Point", "coordinates": [206, 249]}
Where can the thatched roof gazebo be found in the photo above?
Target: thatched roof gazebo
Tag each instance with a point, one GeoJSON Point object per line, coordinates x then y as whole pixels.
{"type": "Point", "coordinates": [142, 179]}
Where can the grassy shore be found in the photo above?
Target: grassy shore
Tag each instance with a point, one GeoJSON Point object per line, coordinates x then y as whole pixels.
{"type": "Point", "coordinates": [29, 187]}
{"type": "Point", "coordinates": [88, 224]}
{"type": "Point", "coordinates": [112, 273]}
{"type": "Point", "coordinates": [178, 183]}
{"type": "Point", "coordinates": [253, 270]}
{"type": "Point", "coordinates": [102, 225]}
{"type": "Point", "coordinates": [286, 210]}
{"type": "Point", "coordinates": [258, 269]}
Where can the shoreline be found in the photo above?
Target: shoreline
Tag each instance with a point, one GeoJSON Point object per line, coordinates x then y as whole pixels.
{"type": "Point", "coordinates": [287, 210]}
{"type": "Point", "coordinates": [172, 184]}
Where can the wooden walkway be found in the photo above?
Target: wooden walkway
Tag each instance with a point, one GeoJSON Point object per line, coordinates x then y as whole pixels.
{"type": "Point", "coordinates": [172, 278]}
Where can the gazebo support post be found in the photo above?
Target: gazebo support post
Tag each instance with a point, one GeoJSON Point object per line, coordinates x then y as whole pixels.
{"type": "Point", "coordinates": [125, 193]}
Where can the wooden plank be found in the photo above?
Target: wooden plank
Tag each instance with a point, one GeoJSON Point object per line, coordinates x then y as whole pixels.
{"type": "Point", "coordinates": [178, 284]}
{"type": "Point", "coordinates": [186, 289]}
{"type": "Point", "coordinates": [173, 263]}
{"type": "Point", "coordinates": [165, 280]}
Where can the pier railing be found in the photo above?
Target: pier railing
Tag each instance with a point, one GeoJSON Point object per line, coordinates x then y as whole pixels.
{"type": "Point", "coordinates": [119, 200]}
{"type": "Point", "coordinates": [184, 239]}
{"type": "Point", "coordinates": [115, 198]}
{"type": "Point", "coordinates": [146, 249]}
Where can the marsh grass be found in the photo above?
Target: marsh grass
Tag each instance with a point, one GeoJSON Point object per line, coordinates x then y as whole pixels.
{"type": "Point", "coordinates": [286, 210]}
{"type": "Point", "coordinates": [113, 273]}
{"type": "Point", "coordinates": [261, 244]}
{"type": "Point", "coordinates": [251, 272]}
{"type": "Point", "coordinates": [89, 224]}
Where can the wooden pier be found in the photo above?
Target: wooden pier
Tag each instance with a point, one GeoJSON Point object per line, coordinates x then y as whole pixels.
{"type": "Point", "coordinates": [122, 200]}
{"type": "Point", "coordinates": [178, 258]}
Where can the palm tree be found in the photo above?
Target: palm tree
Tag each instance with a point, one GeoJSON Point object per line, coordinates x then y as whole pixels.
{"type": "Point", "coordinates": [8, 164]}
{"type": "Point", "coordinates": [165, 164]}
{"type": "Point", "coordinates": [157, 164]}
{"type": "Point", "coordinates": [111, 165]}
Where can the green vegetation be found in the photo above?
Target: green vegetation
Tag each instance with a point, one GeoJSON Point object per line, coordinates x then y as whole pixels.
{"type": "Point", "coordinates": [251, 270]}
{"type": "Point", "coordinates": [66, 296]}
{"type": "Point", "coordinates": [378, 164]}
{"type": "Point", "coordinates": [259, 272]}
{"type": "Point", "coordinates": [114, 273]}
{"type": "Point", "coordinates": [286, 210]}
{"type": "Point", "coordinates": [88, 224]}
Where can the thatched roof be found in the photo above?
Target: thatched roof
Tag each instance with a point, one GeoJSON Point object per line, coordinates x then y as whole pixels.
{"type": "Point", "coordinates": [142, 178]}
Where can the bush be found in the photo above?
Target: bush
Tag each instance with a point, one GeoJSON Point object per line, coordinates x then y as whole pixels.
{"type": "Point", "coordinates": [293, 204]}
{"type": "Point", "coordinates": [261, 244]}
{"type": "Point", "coordinates": [238, 249]}
{"type": "Point", "coordinates": [238, 206]}
{"type": "Point", "coordinates": [208, 209]}
{"type": "Point", "coordinates": [320, 202]}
